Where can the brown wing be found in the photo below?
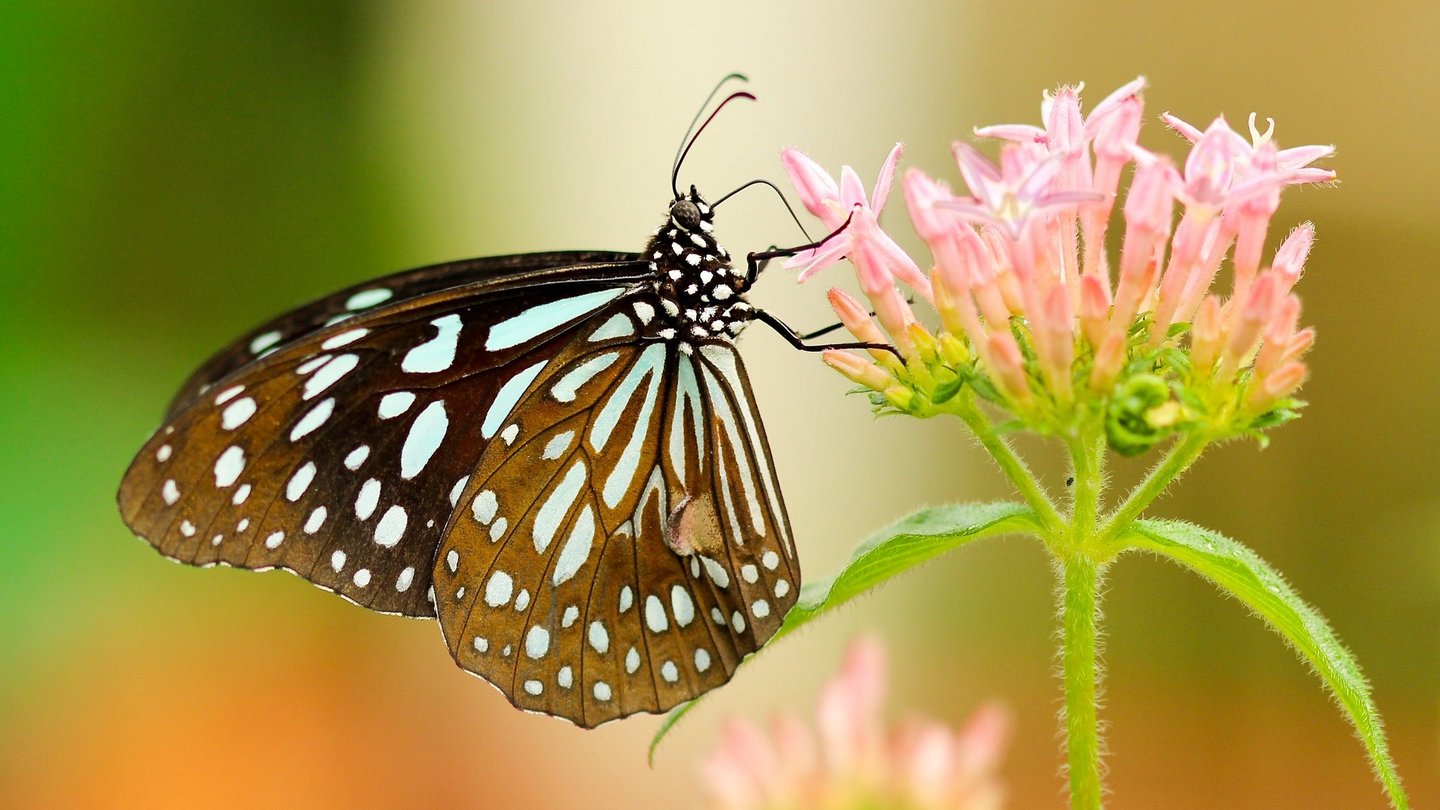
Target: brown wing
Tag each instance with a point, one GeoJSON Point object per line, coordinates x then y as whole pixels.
{"type": "Point", "coordinates": [340, 456]}
{"type": "Point", "coordinates": [629, 547]}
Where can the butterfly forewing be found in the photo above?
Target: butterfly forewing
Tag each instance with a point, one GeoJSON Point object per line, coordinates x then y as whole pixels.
{"type": "Point", "coordinates": [627, 548]}
{"type": "Point", "coordinates": [301, 322]}
{"type": "Point", "coordinates": [340, 456]}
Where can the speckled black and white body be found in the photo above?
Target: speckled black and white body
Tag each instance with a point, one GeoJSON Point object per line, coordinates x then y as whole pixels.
{"type": "Point", "coordinates": [699, 295]}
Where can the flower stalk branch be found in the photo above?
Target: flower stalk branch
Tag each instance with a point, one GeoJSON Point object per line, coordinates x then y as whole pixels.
{"type": "Point", "coordinates": [1175, 462]}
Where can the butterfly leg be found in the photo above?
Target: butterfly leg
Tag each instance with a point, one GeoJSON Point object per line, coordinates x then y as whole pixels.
{"type": "Point", "coordinates": [909, 299]}
{"type": "Point", "coordinates": [755, 262]}
{"type": "Point", "coordinates": [797, 340]}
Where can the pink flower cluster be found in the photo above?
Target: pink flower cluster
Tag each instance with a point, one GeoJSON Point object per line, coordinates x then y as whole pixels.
{"type": "Point", "coordinates": [1024, 251]}
{"type": "Point", "coordinates": [857, 762]}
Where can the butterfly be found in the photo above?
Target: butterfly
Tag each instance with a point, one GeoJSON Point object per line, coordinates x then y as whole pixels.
{"type": "Point", "coordinates": [557, 455]}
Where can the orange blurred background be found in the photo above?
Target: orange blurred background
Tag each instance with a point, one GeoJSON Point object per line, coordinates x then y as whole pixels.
{"type": "Point", "coordinates": [172, 173]}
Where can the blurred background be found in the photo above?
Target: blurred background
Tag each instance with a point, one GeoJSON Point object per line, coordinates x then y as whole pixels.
{"type": "Point", "coordinates": [172, 173]}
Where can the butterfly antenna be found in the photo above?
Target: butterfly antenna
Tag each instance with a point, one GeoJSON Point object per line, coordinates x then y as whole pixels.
{"type": "Point", "coordinates": [778, 193]}
{"type": "Point", "coordinates": [675, 165]}
{"type": "Point", "coordinates": [675, 173]}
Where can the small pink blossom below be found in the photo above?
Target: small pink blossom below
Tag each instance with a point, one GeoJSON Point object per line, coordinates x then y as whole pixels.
{"type": "Point", "coordinates": [856, 761]}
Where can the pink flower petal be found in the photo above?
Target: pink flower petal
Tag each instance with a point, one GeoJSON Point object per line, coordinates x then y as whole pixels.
{"type": "Point", "coordinates": [812, 183]}
{"type": "Point", "coordinates": [852, 191]}
{"type": "Point", "coordinates": [1019, 133]}
{"type": "Point", "coordinates": [883, 180]}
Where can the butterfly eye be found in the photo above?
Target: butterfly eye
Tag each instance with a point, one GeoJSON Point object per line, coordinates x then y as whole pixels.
{"type": "Point", "coordinates": [685, 214]}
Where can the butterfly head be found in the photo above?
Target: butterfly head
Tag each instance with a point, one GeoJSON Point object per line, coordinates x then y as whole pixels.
{"type": "Point", "coordinates": [690, 213]}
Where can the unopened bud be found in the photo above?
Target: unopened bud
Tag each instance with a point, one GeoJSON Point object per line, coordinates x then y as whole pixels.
{"type": "Point", "coordinates": [857, 369]}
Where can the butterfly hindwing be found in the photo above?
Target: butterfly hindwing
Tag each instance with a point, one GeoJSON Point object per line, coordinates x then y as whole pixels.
{"type": "Point", "coordinates": [338, 456]}
{"type": "Point", "coordinates": [625, 546]}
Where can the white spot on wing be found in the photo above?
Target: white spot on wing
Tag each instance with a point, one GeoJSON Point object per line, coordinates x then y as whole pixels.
{"type": "Point", "coordinates": [618, 326]}
{"type": "Point", "coordinates": [458, 489]}
{"type": "Point", "coordinates": [329, 374]}
{"type": "Point", "coordinates": [395, 403]}
{"type": "Point", "coordinates": [228, 394]}
{"type": "Point", "coordinates": [499, 589]}
{"type": "Point", "coordinates": [227, 468]}
{"type": "Point", "coordinates": [315, 521]}
{"type": "Point", "coordinates": [506, 398]}
{"type": "Point", "coordinates": [599, 638]}
{"type": "Point", "coordinates": [569, 385]}
{"type": "Point", "coordinates": [655, 614]}
{"type": "Point", "coordinates": [558, 444]}
{"type": "Point", "coordinates": [300, 481]}
{"type": "Point", "coordinates": [391, 526]}
{"type": "Point", "coordinates": [368, 298]}
{"type": "Point", "coordinates": [235, 414]}
{"type": "Point", "coordinates": [557, 506]}
{"type": "Point", "coordinates": [313, 419]}
{"type": "Point", "coordinates": [437, 353]}
{"type": "Point", "coordinates": [368, 499]}
{"type": "Point", "coordinates": [357, 457]}
{"type": "Point", "coordinates": [682, 605]}
{"type": "Point", "coordinates": [576, 549]}
{"type": "Point", "coordinates": [344, 338]}
{"type": "Point", "coordinates": [425, 436]}
{"type": "Point", "coordinates": [540, 319]}
{"type": "Point", "coordinates": [537, 642]}
{"type": "Point", "coordinates": [484, 506]}
{"type": "Point", "coordinates": [262, 342]}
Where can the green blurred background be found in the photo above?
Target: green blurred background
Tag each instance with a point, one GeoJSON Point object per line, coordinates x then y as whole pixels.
{"type": "Point", "coordinates": [173, 172]}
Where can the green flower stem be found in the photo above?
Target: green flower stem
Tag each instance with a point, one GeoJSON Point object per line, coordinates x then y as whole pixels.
{"type": "Point", "coordinates": [1011, 464]}
{"type": "Point", "coordinates": [1087, 455]}
{"type": "Point", "coordinates": [1179, 459]}
{"type": "Point", "coordinates": [1080, 607]}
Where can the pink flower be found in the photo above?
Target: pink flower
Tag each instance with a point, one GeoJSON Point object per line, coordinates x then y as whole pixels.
{"type": "Point", "coordinates": [856, 761]}
{"type": "Point", "coordinates": [1009, 195]}
{"type": "Point", "coordinates": [833, 204]}
{"type": "Point", "coordinates": [856, 234]}
{"type": "Point", "coordinates": [1027, 293]}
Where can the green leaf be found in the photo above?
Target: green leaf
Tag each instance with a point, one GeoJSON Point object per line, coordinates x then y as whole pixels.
{"type": "Point", "coordinates": [902, 545]}
{"type": "Point", "coordinates": [1239, 572]}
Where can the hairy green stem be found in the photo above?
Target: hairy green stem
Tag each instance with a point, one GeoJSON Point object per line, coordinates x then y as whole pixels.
{"type": "Point", "coordinates": [1080, 616]}
{"type": "Point", "coordinates": [1011, 464]}
{"type": "Point", "coordinates": [1180, 457]}
{"type": "Point", "coordinates": [1087, 457]}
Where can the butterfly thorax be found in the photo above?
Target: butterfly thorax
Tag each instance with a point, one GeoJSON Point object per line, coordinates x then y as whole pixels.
{"type": "Point", "coordinates": [699, 292]}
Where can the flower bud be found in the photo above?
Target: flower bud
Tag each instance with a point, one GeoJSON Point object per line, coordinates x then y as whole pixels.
{"type": "Point", "coordinates": [857, 369]}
